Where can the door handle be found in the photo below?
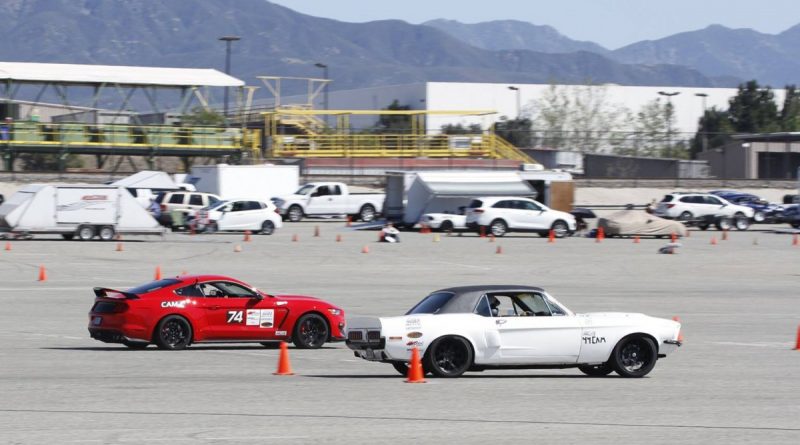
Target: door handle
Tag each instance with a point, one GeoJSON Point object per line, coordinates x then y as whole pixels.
{"type": "Point", "coordinates": [500, 321]}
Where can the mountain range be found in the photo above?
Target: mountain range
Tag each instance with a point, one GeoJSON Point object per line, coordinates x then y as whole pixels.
{"type": "Point", "coordinates": [278, 41]}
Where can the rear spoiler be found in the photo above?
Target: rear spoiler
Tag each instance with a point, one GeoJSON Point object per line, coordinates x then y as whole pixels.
{"type": "Point", "coordinates": [103, 292]}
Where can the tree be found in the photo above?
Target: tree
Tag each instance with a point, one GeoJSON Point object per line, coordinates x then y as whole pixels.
{"type": "Point", "coordinates": [461, 129]}
{"type": "Point", "coordinates": [715, 128]}
{"type": "Point", "coordinates": [204, 116]}
{"type": "Point", "coordinates": [753, 109]}
{"type": "Point", "coordinates": [40, 162]}
{"type": "Point", "coordinates": [394, 123]}
{"type": "Point", "coordinates": [790, 113]}
{"type": "Point", "coordinates": [516, 131]}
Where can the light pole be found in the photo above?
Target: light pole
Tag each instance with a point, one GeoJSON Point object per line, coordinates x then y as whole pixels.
{"type": "Point", "coordinates": [228, 41]}
{"type": "Point", "coordinates": [704, 134]}
{"type": "Point", "coordinates": [516, 90]}
{"type": "Point", "coordinates": [668, 115]}
{"type": "Point", "coordinates": [325, 93]}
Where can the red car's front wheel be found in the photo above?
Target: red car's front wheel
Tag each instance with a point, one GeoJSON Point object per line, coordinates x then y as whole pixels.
{"type": "Point", "coordinates": [310, 332]}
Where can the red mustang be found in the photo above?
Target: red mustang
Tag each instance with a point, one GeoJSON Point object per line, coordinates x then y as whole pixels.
{"type": "Point", "coordinates": [176, 312]}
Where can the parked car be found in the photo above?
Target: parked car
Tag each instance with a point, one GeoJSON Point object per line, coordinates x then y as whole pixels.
{"type": "Point", "coordinates": [176, 312]}
{"type": "Point", "coordinates": [763, 211]}
{"type": "Point", "coordinates": [179, 208]}
{"type": "Point", "coordinates": [329, 199]}
{"type": "Point", "coordinates": [473, 328]}
{"type": "Point", "coordinates": [704, 209]}
{"type": "Point", "coordinates": [444, 221]}
{"type": "Point", "coordinates": [789, 214]}
{"type": "Point", "coordinates": [513, 214]}
{"type": "Point", "coordinates": [238, 215]}
{"type": "Point", "coordinates": [639, 223]}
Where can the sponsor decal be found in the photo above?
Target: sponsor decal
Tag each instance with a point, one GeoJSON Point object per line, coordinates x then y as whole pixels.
{"type": "Point", "coordinates": [280, 333]}
{"type": "Point", "coordinates": [178, 304]}
{"type": "Point", "coordinates": [413, 323]}
{"type": "Point", "coordinates": [414, 334]}
{"type": "Point", "coordinates": [592, 340]}
{"type": "Point", "coordinates": [415, 343]}
{"type": "Point", "coordinates": [395, 338]}
{"type": "Point", "coordinates": [94, 198]}
{"type": "Point", "coordinates": [263, 318]}
{"type": "Point", "coordinates": [235, 317]}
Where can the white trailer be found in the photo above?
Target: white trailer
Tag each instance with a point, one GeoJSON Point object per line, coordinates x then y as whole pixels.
{"type": "Point", "coordinates": [257, 182]}
{"type": "Point", "coordinates": [83, 211]}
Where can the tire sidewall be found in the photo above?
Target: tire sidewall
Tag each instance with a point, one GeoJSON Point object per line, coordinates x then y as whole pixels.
{"type": "Point", "coordinates": [295, 213]}
{"type": "Point", "coordinates": [267, 227]}
{"type": "Point", "coordinates": [367, 213]}
{"type": "Point", "coordinates": [429, 364]}
{"type": "Point", "coordinates": [501, 225]}
{"type": "Point", "coordinates": [296, 338]}
{"type": "Point", "coordinates": [616, 357]}
{"type": "Point", "coordinates": [565, 230]}
{"type": "Point", "coordinates": [109, 233]}
{"type": "Point", "coordinates": [162, 344]}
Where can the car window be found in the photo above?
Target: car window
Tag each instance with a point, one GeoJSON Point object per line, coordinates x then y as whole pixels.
{"type": "Point", "coordinates": [336, 190]}
{"type": "Point", "coordinates": [153, 285]}
{"type": "Point", "coordinates": [475, 203]}
{"type": "Point", "coordinates": [431, 304]}
{"type": "Point", "coordinates": [224, 289]}
{"type": "Point", "coordinates": [195, 200]}
{"type": "Point", "coordinates": [503, 205]}
{"type": "Point", "coordinates": [212, 200]}
{"type": "Point", "coordinates": [483, 308]}
{"type": "Point", "coordinates": [535, 304]}
{"type": "Point", "coordinates": [322, 191]}
{"type": "Point", "coordinates": [712, 200]}
{"type": "Point", "coordinates": [176, 198]}
{"type": "Point", "coordinates": [503, 306]}
{"type": "Point", "coordinates": [689, 199]}
{"type": "Point", "coordinates": [239, 206]}
{"type": "Point", "coordinates": [667, 198]}
{"type": "Point", "coordinates": [527, 205]}
{"type": "Point", "coordinates": [189, 291]}
{"type": "Point", "coordinates": [304, 190]}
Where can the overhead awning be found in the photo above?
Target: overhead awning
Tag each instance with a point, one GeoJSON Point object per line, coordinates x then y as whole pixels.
{"type": "Point", "coordinates": [469, 184]}
{"type": "Point", "coordinates": [115, 75]}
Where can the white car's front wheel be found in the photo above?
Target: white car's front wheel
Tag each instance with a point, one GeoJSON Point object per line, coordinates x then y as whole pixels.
{"type": "Point", "coordinates": [498, 228]}
{"type": "Point", "coordinates": [634, 356]}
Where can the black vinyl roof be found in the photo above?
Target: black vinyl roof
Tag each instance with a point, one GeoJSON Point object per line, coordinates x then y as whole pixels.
{"type": "Point", "coordinates": [466, 297]}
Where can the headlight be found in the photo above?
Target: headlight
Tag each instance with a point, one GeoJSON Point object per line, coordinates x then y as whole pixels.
{"type": "Point", "coordinates": [335, 311]}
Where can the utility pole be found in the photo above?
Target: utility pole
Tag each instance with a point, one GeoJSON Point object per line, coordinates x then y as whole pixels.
{"type": "Point", "coordinates": [704, 133]}
{"type": "Point", "coordinates": [516, 90]}
{"type": "Point", "coordinates": [325, 103]}
{"type": "Point", "coordinates": [228, 41]}
{"type": "Point", "coordinates": [667, 113]}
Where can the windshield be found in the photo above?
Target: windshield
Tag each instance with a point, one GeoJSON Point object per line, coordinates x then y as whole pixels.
{"type": "Point", "coordinates": [431, 304]}
{"type": "Point", "coordinates": [214, 205]}
{"type": "Point", "coordinates": [304, 190]}
{"type": "Point", "coordinates": [153, 285]}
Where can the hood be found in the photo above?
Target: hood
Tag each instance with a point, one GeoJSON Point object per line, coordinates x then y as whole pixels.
{"type": "Point", "coordinates": [297, 298]}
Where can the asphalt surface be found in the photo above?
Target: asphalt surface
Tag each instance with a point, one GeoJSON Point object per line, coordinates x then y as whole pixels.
{"type": "Point", "coordinates": [736, 380]}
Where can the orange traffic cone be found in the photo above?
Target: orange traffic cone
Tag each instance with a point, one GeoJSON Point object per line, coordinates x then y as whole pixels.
{"type": "Point", "coordinates": [725, 235]}
{"type": "Point", "coordinates": [415, 372]}
{"type": "Point", "coordinates": [680, 333]}
{"type": "Point", "coordinates": [381, 236]}
{"type": "Point", "coordinates": [483, 231]}
{"type": "Point", "coordinates": [284, 367]}
{"type": "Point", "coordinates": [551, 238]}
{"type": "Point", "coordinates": [491, 238]}
{"type": "Point", "coordinates": [246, 236]}
{"type": "Point", "coordinates": [636, 239]}
{"type": "Point", "coordinates": [601, 235]}
{"type": "Point", "coordinates": [295, 238]}
{"type": "Point", "coordinates": [158, 273]}
{"type": "Point", "coordinates": [365, 249]}
{"type": "Point", "coordinates": [119, 247]}
{"type": "Point", "coordinates": [42, 274]}
{"type": "Point", "coordinates": [499, 250]}
{"type": "Point", "coordinates": [674, 237]}
{"type": "Point", "coordinates": [8, 243]}
{"type": "Point", "coordinates": [338, 238]}
{"type": "Point", "coordinates": [713, 240]}
{"type": "Point", "coordinates": [237, 248]}
{"type": "Point", "coordinates": [794, 242]}
{"type": "Point", "coordinates": [183, 272]}
{"type": "Point", "coordinates": [349, 221]}
{"type": "Point", "coordinates": [316, 231]}
{"type": "Point", "coordinates": [797, 344]}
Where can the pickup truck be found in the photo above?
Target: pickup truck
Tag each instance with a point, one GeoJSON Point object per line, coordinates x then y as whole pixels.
{"type": "Point", "coordinates": [329, 199]}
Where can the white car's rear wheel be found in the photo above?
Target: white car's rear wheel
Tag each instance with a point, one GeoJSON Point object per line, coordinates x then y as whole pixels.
{"type": "Point", "coordinates": [448, 357]}
{"type": "Point", "coordinates": [634, 356]}
{"type": "Point", "coordinates": [267, 227]}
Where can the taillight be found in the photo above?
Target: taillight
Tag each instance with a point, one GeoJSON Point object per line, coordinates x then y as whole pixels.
{"type": "Point", "coordinates": [669, 206]}
{"type": "Point", "coordinates": [477, 210]}
{"type": "Point", "coordinates": [163, 207]}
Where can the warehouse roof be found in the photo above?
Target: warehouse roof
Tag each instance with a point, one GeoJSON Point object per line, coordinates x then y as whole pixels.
{"type": "Point", "coordinates": [112, 74]}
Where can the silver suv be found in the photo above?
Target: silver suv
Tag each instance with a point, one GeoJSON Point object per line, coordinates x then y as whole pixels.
{"type": "Point", "coordinates": [704, 207]}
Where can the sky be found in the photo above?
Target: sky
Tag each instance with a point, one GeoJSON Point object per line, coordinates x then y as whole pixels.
{"type": "Point", "coordinates": [611, 23]}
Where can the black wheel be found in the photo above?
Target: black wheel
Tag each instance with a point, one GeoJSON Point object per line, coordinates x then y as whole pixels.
{"type": "Point", "coordinates": [685, 216]}
{"type": "Point", "coordinates": [596, 370]}
{"type": "Point", "coordinates": [795, 225]}
{"type": "Point", "coordinates": [560, 229]}
{"type": "Point", "coordinates": [446, 226]}
{"type": "Point", "coordinates": [85, 233]}
{"type": "Point", "coordinates": [106, 233]}
{"type": "Point", "coordinates": [724, 223]}
{"type": "Point", "coordinates": [367, 213]}
{"type": "Point", "coordinates": [759, 217]}
{"type": "Point", "coordinates": [271, 344]}
{"type": "Point", "coordinates": [498, 228]}
{"type": "Point", "coordinates": [448, 357]}
{"type": "Point", "coordinates": [267, 228]}
{"type": "Point", "coordinates": [634, 356]}
{"type": "Point", "coordinates": [703, 226]}
{"type": "Point", "coordinates": [401, 367]}
{"type": "Point", "coordinates": [135, 344]}
{"type": "Point", "coordinates": [68, 236]}
{"type": "Point", "coordinates": [173, 333]}
{"type": "Point", "coordinates": [310, 332]}
{"type": "Point", "coordinates": [295, 213]}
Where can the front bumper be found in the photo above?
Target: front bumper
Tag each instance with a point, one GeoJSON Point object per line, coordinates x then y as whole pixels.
{"type": "Point", "coordinates": [668, 347]}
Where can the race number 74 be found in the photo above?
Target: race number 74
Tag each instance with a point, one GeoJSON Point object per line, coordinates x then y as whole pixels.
{"type": "Point", "coordinates": [235, 316]}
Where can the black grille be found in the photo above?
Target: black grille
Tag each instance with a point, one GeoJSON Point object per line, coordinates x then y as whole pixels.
{"type": "Point", "coordinates": [373, 335]}
{"type": "Point", "coordinates": [355, 335]}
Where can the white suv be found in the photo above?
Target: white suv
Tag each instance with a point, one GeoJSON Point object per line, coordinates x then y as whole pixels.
{"type": "Point", "coordinates": [692, 206]}
{"type": "Point", "coordinates": [239, 215]}
{"type": "Point", "coordinates": [509, 213]}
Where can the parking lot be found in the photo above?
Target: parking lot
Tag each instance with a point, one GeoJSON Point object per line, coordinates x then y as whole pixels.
{"type": "Point", "coordinates": [735, 380]}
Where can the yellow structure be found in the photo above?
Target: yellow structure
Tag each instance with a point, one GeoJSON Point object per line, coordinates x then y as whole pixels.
{"type": "Point", "coordinates": [311, 138]}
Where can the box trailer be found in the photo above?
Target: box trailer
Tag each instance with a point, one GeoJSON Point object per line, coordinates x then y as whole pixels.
{"type": "Point", "coordinates": [82, 211]}
{"type": "Point", "coordinates": [257, 182]}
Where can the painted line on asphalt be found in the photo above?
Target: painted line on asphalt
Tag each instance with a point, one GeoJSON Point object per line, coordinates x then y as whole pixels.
{"type": "Point", "coordinates": [407, 419]}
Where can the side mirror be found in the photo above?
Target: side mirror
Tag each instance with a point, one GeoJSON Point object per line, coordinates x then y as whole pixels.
{"type": "Point", "coordinates": [258, 296]}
